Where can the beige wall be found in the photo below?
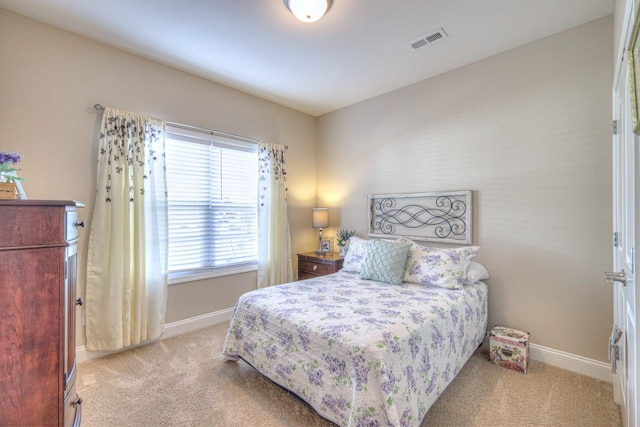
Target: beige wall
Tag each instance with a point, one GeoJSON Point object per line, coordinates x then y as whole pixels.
{"type": "Point", "coordinates": [529, 131]}
{"type": "Point", "coordinates": [49, 81]}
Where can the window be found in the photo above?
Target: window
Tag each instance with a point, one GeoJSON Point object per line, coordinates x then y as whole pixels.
{"type": "Point", "coordinates": [212, 185]}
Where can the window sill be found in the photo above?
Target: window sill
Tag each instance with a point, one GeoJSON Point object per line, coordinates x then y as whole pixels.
{"type": "Point", "coordinates": [177, 278]}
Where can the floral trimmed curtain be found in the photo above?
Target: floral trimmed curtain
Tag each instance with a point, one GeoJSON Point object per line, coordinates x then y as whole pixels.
{"type": "Point", "coordinates": [127, 259]}
{"type": "Point", "coordinates": [274, 241]}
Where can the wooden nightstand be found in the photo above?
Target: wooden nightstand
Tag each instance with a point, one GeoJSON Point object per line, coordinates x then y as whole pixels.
{"type": "Point", "coordinates": [311, 265]}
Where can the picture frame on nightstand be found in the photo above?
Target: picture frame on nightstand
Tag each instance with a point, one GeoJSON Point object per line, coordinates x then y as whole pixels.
{"type": "Point", "coordinates": [326, 245]}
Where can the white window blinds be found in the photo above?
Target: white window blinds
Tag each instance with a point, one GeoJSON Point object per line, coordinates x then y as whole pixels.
{"type": "Point", "coordinates": [212, 184]}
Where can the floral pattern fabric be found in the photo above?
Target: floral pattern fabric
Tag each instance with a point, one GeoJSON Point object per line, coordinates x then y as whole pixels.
{"type": "Point", "coordinates": [272, 167]}
{"type": "Point", "coordinates": [356, 254]}
{"type": "Point", "coordinates": [274, 241]}
{"type": "Point", "coordinates": [126, 288]}
{"type": "Point", "coordinates": [131, 149]}
{"type": "Point", "coordinates": [445, 268]}
{"type": "Point", "coordinates": [360, 352]}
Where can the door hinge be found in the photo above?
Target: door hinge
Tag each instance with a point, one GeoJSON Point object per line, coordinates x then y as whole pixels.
{"type": "Point", "coordinates": [614, 127]}
{"type": "Point", "coordinates": [616, 241]}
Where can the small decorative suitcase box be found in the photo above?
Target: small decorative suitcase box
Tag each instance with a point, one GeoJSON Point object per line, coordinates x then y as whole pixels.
{"type": "Point", "coordinates": [509, 348]}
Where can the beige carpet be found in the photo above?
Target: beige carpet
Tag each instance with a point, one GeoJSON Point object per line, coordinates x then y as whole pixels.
{"type": "Point", "coordinates": [184, 381]}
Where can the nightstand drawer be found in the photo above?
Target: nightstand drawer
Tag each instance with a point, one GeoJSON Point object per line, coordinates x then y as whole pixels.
{"type": "Point", "coordinates": [312, 265]}
{"type": "Point", "coordinates": [315, 267]}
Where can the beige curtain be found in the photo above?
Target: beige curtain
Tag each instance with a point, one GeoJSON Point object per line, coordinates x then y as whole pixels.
{"type": "Point", "coordinates": [127, 259]}
{"type": "Point", "coordinates": [274, 242]}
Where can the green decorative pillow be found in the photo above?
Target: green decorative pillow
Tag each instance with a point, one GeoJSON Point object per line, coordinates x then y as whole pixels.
{"type": "Point", "coordinates": [385, 261]}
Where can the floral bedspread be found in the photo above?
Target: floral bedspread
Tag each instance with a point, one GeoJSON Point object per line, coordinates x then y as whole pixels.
{"type": "Point", "coordinates": [360, 352]}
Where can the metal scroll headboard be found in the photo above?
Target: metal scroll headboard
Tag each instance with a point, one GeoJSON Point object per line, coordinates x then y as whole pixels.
{"type": "Point", "coordinates": [444, 217]}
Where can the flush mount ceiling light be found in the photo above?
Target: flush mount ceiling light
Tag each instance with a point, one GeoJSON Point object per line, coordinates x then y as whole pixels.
{"type": "Point", "coordinates": [308, 10]}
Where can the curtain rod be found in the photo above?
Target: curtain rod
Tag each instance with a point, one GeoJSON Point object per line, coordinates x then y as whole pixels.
{"type": "Point", "coordinates": [212, 132]}
{"type": "Point", "coordinates": [99, 107]}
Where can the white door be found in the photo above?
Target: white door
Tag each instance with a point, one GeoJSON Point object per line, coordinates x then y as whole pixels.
{"type": "Point", "coordinates": [625, 165]}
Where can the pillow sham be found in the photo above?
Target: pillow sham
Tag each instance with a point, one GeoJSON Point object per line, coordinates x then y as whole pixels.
{"type": "Point", "coordinates": [444, 268]}
{"type": "Point", "coordinates": [475, 273]}
{"type": "Point", "coordinates": [356, 253]}
{"type": "Point", "coordinates": [385, 261]}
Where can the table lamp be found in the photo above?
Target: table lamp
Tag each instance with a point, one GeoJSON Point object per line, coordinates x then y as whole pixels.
{"type": "Point", "coordinates": [320, 220]}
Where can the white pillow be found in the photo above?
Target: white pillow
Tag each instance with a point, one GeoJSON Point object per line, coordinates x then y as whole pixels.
{"type": "Point", "coordinates": [475, 273]}
{"type": "Point", "coordinates": [356, 254]}
{"type": "Point", "coordinates": [444, 268]}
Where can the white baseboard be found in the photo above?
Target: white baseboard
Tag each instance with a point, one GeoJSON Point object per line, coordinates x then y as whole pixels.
{"type": "Point", "coordinates": [194, 323]}
{"type": "Point", "coordinates": [170, 330]}
{"type": "Point", "coordinates": [571, 362]}
{"type": "Point", "coordinates": [560, 359]}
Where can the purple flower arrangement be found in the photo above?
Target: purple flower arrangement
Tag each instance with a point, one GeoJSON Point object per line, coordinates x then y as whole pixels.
{"type": "Point", "coordinates": [7, 170]}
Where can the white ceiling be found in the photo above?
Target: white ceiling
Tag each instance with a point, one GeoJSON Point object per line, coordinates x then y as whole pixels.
{"type": "Point", "coordinates": [359, 49]}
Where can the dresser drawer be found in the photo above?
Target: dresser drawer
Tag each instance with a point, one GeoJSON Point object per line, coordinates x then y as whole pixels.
{"type": "Point", "coordinates": [39, 225]}
{"type": "Point", "coordinates": [71, 225]}
{"type": "Point", "coordinates": [72, 408]}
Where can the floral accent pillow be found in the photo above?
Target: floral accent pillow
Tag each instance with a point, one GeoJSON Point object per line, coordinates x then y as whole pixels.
{"type": "Point", "coordinates": [385, 261]}
{"type": "Point", "coordinates": [356, 253]}
{"type": "Point", "coordinates": [444, 268]}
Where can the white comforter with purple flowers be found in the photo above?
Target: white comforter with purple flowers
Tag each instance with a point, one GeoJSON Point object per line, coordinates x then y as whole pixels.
{"type": "Point", "coordinates": [360, 352]}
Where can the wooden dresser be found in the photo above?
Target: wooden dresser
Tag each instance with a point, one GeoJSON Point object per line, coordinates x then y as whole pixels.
{"type": "Point", "coordinates": [311, 265]}
{"type": "Point", "coordinates": [38, 262]}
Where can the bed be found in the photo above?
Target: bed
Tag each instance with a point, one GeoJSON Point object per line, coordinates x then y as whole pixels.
{"type": "Point", "coordinates": [374, 344]}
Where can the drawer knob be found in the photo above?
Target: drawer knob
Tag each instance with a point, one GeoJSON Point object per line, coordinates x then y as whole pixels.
{"type": "Point", "coordinates": [80, 224]}
{"type": "Point", "coordinates": [315, 267]}
{"type": "Point", "coordinates": [79, 301]}
{"type": "Point", "coordinates": [77, 401]}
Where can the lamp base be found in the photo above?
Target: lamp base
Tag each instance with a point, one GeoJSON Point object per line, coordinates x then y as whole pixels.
{"type": "Point", "coordinates": [319, 250]}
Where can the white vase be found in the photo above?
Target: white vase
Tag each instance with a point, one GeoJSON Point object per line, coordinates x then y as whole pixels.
{"type": "Point", "coordinates": [343, 250]}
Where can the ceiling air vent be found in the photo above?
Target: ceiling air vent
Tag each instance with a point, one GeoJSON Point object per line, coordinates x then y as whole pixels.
{"type": "Point", "coordinates": [429, 38]}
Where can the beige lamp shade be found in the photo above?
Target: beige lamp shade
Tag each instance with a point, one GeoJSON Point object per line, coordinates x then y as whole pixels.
{"type": "Point", "coordinates": [320, 217]}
